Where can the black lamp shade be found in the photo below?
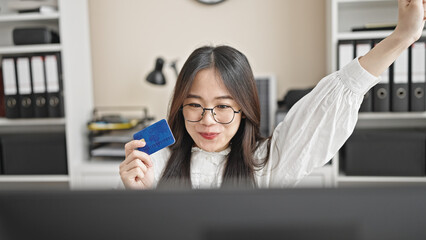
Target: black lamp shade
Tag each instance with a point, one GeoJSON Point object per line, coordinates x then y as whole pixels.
{"type": "Point", "coordinates": [157, 77]}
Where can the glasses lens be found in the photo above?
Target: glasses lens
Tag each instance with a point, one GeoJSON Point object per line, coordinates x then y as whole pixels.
{"type": "Point", "coordinates": [192, 112]}
{"type": "Point", "coordinates": [223, 114]}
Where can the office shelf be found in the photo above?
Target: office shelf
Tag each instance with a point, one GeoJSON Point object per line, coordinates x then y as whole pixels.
{"type": "Point", "coordinates": [47, 125]}
{"type": "Point", "coordinates": [363, 35]}
{"type": "Point", "coordinates": [366, 181]}
{"type": "Point", "coordinates": [362, 1]}
{"type": "Point", "coordinates": [366, 35]}
{"type": "Point", "coordinates": [30, 48]}
{"type": "Point", "coordinates": [378, 179]}
{"type": "Point", "coordinates": [392, 115]}
{"type": "Point", "coordinates": [10, 126]}
{"type": "Point", "coordinates": [343, 17]}
{"type": "Point", "coordinates": [14, 17]}
{"type": "Point", "coordinates": [6, 122]}
{"type": "Point", "coordinates": [77, 86]}
{"type": "Point", "coordinates": [34, 178]}
{"type": "Point", "coordinates": [392, 120]}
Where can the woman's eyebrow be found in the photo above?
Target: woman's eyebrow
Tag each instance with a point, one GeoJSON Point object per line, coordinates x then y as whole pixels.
{"type": "Point", "coordinates": [220, 97]}
{"type": "Point", "coordinates": [193, 96]}
{"type": "Point", "coordinates": [224, 97]}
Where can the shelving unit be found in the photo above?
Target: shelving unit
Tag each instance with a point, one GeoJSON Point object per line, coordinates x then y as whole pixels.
{"type": "Point", "coordinates": [388, 120]}
{"type": "Point", "coordinates": [34, 178]}
{"type": "Point", "coordinates": [77, 83]}
{"type": "Point", "coordinates": [392, 120]}
{"type": "Point", "coordinates": [30, 49]}
{"type": "Point", "coordinates": [14, 17]}
{"type": "Point", "coordinates": [342, 16]}
{"type": "Point", "coordinates": [4, 122]}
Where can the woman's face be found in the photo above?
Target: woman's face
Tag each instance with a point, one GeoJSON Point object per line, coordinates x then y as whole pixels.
{"type": "Point", "coordinates": [208, 90]}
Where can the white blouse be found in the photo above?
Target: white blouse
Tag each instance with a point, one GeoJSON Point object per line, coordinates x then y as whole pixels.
{"type": "Point", "coordinates": [312, 132]}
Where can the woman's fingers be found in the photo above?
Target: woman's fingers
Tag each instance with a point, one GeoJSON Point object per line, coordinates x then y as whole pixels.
{"type": "Point", "coordinates": [136, 154]}
{"type": "Point", "coordinates": [145, 158]}
{"type": "Point", "coordinates": [132, 145]}
{"type": "Point", "coordinates": [135, 164]}
{"type": "Point", "coordinates": [135, 174]}
{"type": "Point", "coordinates": [136, 170]}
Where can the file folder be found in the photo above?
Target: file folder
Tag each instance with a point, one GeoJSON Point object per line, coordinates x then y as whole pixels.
{"type": "Point", "coordinates": [10, 88]}
{"type": "Point", "coordinates": [54, 86]}
{"type": "Point", "coordinates": [2, 104]}
{"type": "Point", "coordinates": [381, 93]}
{"type": "Point", "coordinates": [362, 47]}
{"type": "Point", "coordinates": [345, 53]}
{"type": "Point", "coordinates": [399, 84]}
{"type": "Point", "coordinates": [418, 76]}
{"type": "Point", "coordinates": [39, 87]}
{"type": "Point", "coordinates": [24, 87]}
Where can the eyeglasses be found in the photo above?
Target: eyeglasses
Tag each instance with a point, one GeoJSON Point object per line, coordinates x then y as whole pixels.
{"type": "Point", "coordinates": [222, 114]}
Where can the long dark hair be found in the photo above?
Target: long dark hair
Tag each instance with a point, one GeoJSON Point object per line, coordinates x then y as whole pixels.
{"type": "Point", "coordinates": [238, 78]}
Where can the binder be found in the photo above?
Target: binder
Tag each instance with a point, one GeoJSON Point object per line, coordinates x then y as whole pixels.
{"type": "Point", "coordinates": [417, 76]}
{"type": "Point", "coordinates": [39, 87]}
{"type": "Point", "coordinates": [381, 92]}
{"type": "Point", "coordinates": [2, 104]}
{"type": "Point", "coordinates": [362, 47]}
{"type": "Point", "coordinates": [345, 53]}
{"type": "Point", "coordinates": [24, 87]}
{"type": "Point", "coordinates": [399, 84]}
{"type": "Point", "coordinates": [54, 86]}
{"type": "Point", "coordinates": [10, 88]}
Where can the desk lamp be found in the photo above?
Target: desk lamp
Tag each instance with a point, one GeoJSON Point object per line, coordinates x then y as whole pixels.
{"type": "Point", "coordinates": [157, 77]}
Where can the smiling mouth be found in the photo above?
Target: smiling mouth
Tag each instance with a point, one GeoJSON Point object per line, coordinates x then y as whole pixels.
{"type": "Point", "coordinates": [209, 136]}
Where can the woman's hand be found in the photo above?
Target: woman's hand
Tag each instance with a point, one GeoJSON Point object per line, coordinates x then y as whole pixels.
{"type": "Point", "coordinates": [411, 19]}
{"type": "Point", "coordinates": [136, 171]}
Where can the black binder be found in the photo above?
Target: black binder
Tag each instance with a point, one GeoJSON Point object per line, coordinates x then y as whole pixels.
{"type": "Point", "coordinates": [54, 85]}
{"type": "Point", "coordinates": [10, 87]}
{"type": "Point", "coordinates": [417, 76]}
{"type": "Point", "coordinates": [2, 105]}
{"type": "Point", "coordinates": [381, 92]}
{"type": "Point", "coordinates": [362, 47]}
{"type": "Point", "coordinates": [25, 87]}
{"type": "Point", "coordinates": [367, 102]}
{"type": "Point", "coordinates": [39, 86]}
{"type": "Point", "coordinates": [399, 83]}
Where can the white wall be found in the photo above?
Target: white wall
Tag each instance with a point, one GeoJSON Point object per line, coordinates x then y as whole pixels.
{"type": "Point", "coordinates": [278, 36]}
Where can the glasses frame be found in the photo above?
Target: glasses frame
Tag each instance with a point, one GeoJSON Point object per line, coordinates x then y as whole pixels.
{"type": "Point", "coordinates": [212, 112]}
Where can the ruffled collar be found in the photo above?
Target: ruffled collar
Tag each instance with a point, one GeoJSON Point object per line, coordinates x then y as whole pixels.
{"type": "Point", "coordinates": [224, 152]}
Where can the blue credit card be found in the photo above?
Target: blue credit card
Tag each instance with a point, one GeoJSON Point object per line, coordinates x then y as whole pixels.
{"type": "Point", "coordinates": [157, 136]}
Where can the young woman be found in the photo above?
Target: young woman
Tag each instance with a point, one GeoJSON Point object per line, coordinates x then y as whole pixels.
{"type": "Point", "coordinates": [215, 115]}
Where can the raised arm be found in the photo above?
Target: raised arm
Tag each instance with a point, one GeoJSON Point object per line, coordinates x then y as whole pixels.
{"type": "Point", "coordinates": [411, 20]}
{"type": "Point", "coordinates": [318, 125]}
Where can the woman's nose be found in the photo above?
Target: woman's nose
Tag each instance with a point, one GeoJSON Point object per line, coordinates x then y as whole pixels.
{"type": "Point", "coordinates": [208, 118]}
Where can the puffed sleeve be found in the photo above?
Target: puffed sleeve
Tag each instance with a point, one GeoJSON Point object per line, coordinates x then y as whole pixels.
{"type": "Point", "coordinates": [318, 125]}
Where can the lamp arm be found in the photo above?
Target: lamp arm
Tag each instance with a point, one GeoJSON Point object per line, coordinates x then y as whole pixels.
{"type": "Point", "coordinates": [173, 65]}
